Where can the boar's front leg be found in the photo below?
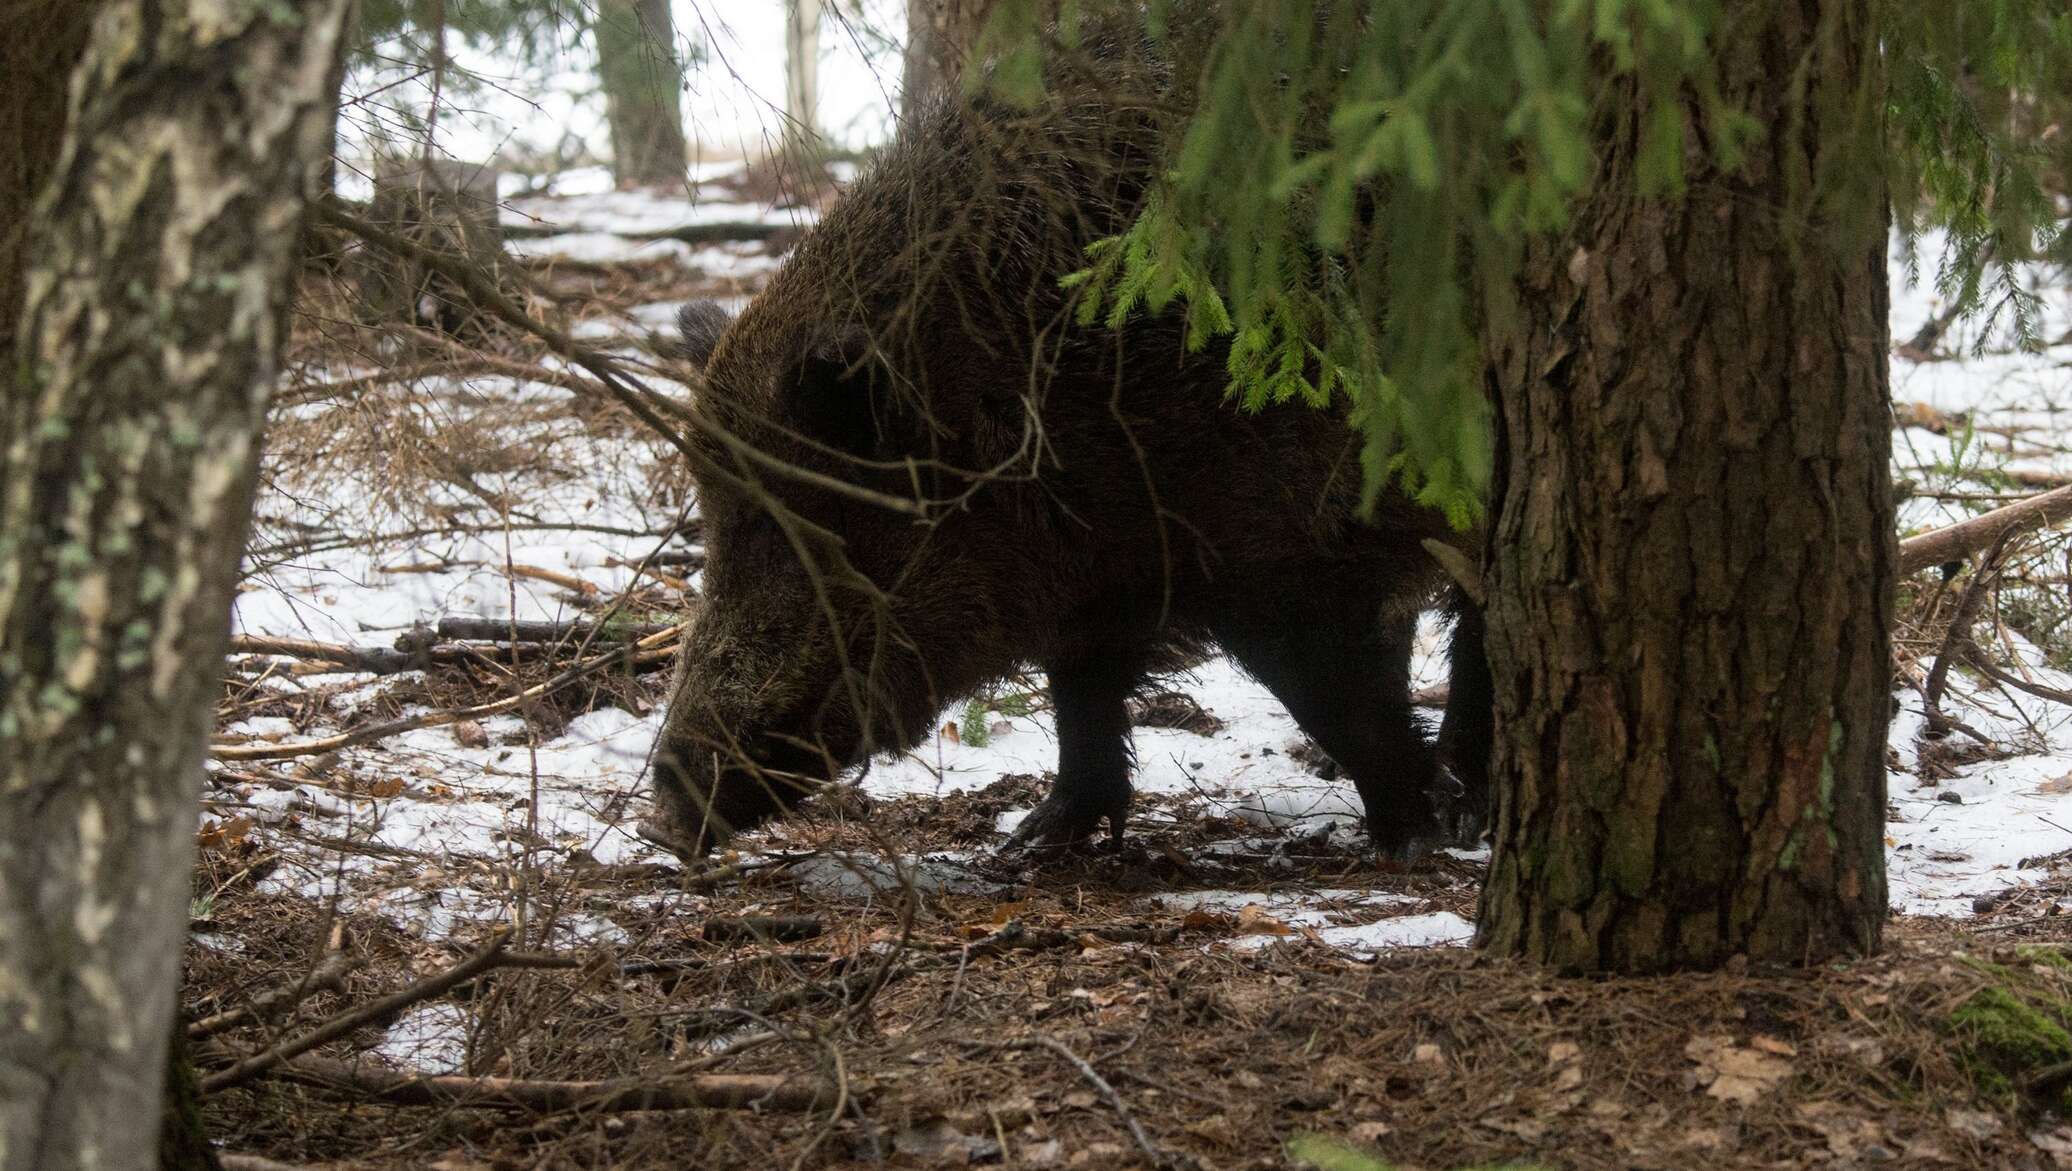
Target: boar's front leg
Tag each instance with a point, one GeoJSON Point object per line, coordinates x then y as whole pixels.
{"type": "Point", "coordinates": [1090, 701]}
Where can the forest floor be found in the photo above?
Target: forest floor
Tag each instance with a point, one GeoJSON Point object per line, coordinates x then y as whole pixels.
{"type": "Point", "coordinates": [867, 982]}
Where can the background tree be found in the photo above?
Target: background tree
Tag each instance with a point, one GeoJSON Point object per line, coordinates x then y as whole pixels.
{"type": "Point", "coordinates": [941, 36]}
{"type": "Point", "coordinates": [801, 72]}
{"type": "Point", "coordinates": [158, 273]}
{"type": "Point", "coordinates": [642, 77]}
{"type": "Point", "coordinates": [1655, 233]}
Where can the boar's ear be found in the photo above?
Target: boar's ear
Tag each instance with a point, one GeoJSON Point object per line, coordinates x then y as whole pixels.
{"type": "Point", "coordinates": [843, 395]}
{"type": "Point", "coordinates": [698, 326]}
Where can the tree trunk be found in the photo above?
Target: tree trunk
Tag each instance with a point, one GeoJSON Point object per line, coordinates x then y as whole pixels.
{"type": "Point", "coordinates": [448, 206]}
{"type": "Point", "coordinates": [802, 75]}
{"type": "Point", "coordinates": [643, 92]}
{"type": "Point", "coordinates": [1692, 553]}
{"type": "Point", "coordinates": [940, 38]}
{"type": "Point", "coordinates": [158, 277]}
{"type": "Point", "coordinates": [40, 42]}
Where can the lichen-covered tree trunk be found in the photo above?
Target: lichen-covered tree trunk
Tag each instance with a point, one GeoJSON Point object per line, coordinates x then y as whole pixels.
{"type": "Point", "coordinates": [1692, 551]}
{"type": "Point", "coordinates": [40, 42]}
{"type": "Point", "coordinates": [940, 37]}
{"type": "Point", "coordinates": [643, 92]}
{"type": "Point", "coordinates": [161, 257]}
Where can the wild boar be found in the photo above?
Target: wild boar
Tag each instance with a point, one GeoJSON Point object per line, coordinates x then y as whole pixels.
{"type": "Point", "coordinates": [977, 484]}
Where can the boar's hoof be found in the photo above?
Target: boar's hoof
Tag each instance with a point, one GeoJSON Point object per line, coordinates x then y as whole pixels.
{"type": "Point", "coordinates": [673, 838]}
{"type": "Point", "coordinates": [1462, 813]}
{"type": "Point", "coordinates": [1059, 821]}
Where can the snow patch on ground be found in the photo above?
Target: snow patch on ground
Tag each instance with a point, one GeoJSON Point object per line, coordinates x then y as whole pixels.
{"type": "Point", "coordinates": [579, 795]}
{"type": "Point", "coordinates": [430, 1038]}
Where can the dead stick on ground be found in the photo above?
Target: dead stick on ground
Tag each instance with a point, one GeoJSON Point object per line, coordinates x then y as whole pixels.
{"type": "Point", "coordinates": [344, 1023]}
{"type": "Point", "coordinates": [1964, 538]}
{"type": "Point", "coordinates": [505, 630]}
{"type": "Point", "coordinates": [646, 650]}
{"type": "Point", "coordinates": [327, 976]}
{"type": "Point", "coordinates": [774, 1092]}
{"type": "Point", "coordinates": [235, 1162]}
{"type": "Point", "coordinates": [1100, 1084]}
{"type": "Point", "coordinates": [374, 660]}
{"type": "Point", "coordinates": [1960, 624]}
{"type": "Point", "coordinates": [1990, 669]}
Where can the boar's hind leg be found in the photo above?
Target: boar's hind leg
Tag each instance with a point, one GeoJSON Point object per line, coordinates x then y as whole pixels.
{"type": "Point", "coordinates": [1345, 677]}
{"type": "Point", "coordinates": [1091, 704]}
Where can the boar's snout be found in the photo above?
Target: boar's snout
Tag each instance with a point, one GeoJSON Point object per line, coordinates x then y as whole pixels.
{"type": "Point", "coordinates": [744, 738]}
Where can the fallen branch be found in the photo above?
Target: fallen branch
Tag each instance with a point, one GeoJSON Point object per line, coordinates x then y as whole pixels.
{"type": "Point", "coordinates": [235, 1162]}
{"type": "Point", "coordinates": [372, 660]}
{"type": "Point", "coordinates": [505, 630]}
{"type": "Point", "coordinates": [771, 1092]}
{"type": "Point", "coordinates": [1992, 670]}
{"type": "Point", "coordinates": [328, 975]}
{"type": "Point", "coordinates": [1959, 634]}
{"type": "Point", "coordinates": [1965, 538]}
{"type": "Point", "coordinates": [724, 231]}
{"type": "Point", "coordinates": [567, 581]}
{"type": "Point", "coordinates": [367, 1014]}
{"type": "Point", "coordinates": [647, 650]}
{"type": "Point", "coordinates": [327, 542]}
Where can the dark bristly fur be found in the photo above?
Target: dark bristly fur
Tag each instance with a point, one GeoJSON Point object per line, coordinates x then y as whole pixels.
{"type": "Point", "coordinates": [1113, 516]}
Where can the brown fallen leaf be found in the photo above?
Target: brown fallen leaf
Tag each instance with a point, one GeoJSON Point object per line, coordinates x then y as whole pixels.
{"type": "Point", "coordinates": [1253, 920]}
{"type": "Point", "coordinates": [1732, 1073]}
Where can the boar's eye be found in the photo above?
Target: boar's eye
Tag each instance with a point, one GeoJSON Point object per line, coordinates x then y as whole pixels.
{"type": "Point", "coordinates": [843, 395]}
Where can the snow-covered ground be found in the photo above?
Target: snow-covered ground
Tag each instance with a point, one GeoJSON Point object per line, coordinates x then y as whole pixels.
{"type": "Point", "coordinates": [579, 795]}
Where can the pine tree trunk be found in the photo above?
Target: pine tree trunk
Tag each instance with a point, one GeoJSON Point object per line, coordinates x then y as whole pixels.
{"type": "Point", "coordinates": [940, 37]}
{"type": "Point", "coordinates": [643, 92]}
{"type": "Point", "coordinates": [1692, 552]}
{"type": "Point", "coordinates": [158, 277]}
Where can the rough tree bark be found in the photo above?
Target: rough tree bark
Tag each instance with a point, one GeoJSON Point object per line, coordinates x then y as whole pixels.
{"type": "Point", "coordinates": [158, 277]}
{"type": "Point", "coordinates": [40, 41]}
{"type": "Point", "coordinates": [1692, 552]}
{"type": "Point", "coordinates": [643, 92]}
{"type": "Point", "coordinates": [940, 37]}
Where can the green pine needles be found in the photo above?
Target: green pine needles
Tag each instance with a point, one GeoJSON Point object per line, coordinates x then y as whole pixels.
{"type": "Point", "coordinates": [1351, 184]}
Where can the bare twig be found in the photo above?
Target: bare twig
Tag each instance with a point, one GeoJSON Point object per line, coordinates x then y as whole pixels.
{"type": "Point", "coordinates": [1092, 1076]}
{"type": "Point", "coordinates": [647, 650]}
{"type": "Point", "coordinates": [1977, 657]}
{"type": "Point", "coordinates": [771, 1092]}
{"type": "Point", "coordinates": [1960, 624]}
{"type": "Point", "coordinates": [235, 1162]}
{"type": "Point", "coordinates": [646, 405]}
{"type": "Point", "coordinates": [367, 1014]}
{"type": "Point", "coordinates": [505, 630]}
{"type": "Point", "coordinates": [327, 975]}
